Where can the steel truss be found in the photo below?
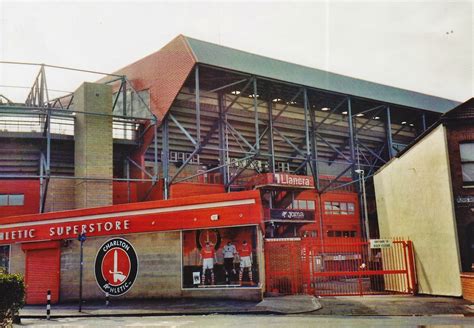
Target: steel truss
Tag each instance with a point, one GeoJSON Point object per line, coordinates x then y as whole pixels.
{"type": "Point", "coordinates": [39, 104]}
{"type": "Point", "coordinates": [232, 118]}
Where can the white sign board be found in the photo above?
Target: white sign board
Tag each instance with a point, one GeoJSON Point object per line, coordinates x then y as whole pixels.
{"type": "Point", "coordinates": [381, 243]}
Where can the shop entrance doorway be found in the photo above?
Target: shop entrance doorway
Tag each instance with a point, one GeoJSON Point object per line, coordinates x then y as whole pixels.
{"type": "Point", "coordinates": [42, 271]}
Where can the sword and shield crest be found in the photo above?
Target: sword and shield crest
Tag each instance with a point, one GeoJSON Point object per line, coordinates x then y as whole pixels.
{"type": "Point", "coordinates": [116, 266]}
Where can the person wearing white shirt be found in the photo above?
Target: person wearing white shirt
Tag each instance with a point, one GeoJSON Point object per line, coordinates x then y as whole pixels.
{"type": "Point", "coordinates": [229, 252]}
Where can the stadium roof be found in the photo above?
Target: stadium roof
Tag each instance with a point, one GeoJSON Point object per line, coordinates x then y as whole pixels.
{"type": "Point", "coordinates": [165, 71]}
{"type": "Point", "coordinates": [225, 57]}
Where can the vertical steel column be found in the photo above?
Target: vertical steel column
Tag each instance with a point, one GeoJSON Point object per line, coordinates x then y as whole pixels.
{"type": "Point", "coordinates": [124, 96]}
{"type": "Point", "coordinates": [271, 148]}
{"type": "Point", "coordinates": [222, 144]}
{"type": "Point", "coordinates": [198, 106]}
{"type": "Point", "coordinates": [48, 143]}
{"type": "Point", "coordinates": [255, 106]}
{"type": "Point", "coordinates": [314, 150]}
{"type": "Point", "coordinates": [127, 172]}
{"type": "Point", "coordinates": [423, 122]}
{"type": "Point", "coordinates": [41, 86]}
{"type": "Point", "coordinates": [388, 129]}
{"type": "Point", "coordinates": [165, 157]}
{"type": "Point", "coordinates": [155, 149]}
{"type": "Point", "coordinates": [41, 184]}
{"type": "Point", "coordinates": [351, 134]}
{"type": "Point", "coordinates": [306, 129]}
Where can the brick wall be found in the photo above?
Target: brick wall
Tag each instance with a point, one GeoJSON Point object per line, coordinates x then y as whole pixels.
{"type": "Point", "coordinates": [456, 134]}
{"type": "Point", "coordinates": [93, 145]}
{"type": "Point", "coordinates": [60, 196]}
{"type": "Point", "coordinates": [159, 272]}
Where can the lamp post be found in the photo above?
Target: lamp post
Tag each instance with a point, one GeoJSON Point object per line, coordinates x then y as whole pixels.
{"type": "Point", "coordinates": [82, 239]}
{"type": "Point", "coordinates": [361, 174]}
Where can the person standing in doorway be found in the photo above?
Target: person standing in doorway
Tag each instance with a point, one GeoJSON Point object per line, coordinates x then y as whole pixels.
{"type": "Point", "coordinates": [229, 253]}
{"type": "Point", "coordinates": [245, 253]}
{"type": "Point", "coordinates": [208, 256]}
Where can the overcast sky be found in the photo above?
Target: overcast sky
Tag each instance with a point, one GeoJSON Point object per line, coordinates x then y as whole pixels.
{"type": "Point", "coordinates": [426, 46]}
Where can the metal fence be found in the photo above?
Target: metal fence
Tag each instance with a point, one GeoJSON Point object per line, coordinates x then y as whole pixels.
{"type": "Point", "coordinates": [309, 266]}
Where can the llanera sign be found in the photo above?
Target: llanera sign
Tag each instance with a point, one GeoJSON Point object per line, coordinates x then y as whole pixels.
{"type": "Point", "coordinates": [293, 180]}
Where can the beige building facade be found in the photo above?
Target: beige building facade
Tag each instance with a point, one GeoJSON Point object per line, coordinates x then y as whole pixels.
{"type": "Point", "coordinates": [414, 200]}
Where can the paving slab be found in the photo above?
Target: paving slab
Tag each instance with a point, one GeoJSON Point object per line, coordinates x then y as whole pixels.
{"type": "Point", "coordinates": [279, 305]}
{"type": "Point", "coordinates": [290, 304]}
{"type": "Point", "coordinates": [391, 305]}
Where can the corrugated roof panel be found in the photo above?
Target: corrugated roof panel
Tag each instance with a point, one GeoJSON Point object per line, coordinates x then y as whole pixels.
{"type": "Point", "coordinates": [224, 57]}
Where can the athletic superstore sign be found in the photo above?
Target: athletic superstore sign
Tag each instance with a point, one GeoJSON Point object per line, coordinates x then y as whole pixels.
{"type": "Point", "coordinates": [57, 226]}
{"type": "Point", "coordinates": [64, 231]}
{"type": "Point", "coordinates": [116, 266]}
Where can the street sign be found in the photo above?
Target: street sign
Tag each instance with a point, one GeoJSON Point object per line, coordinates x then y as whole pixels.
{"type": "Point", "coordinates": [381, 243]}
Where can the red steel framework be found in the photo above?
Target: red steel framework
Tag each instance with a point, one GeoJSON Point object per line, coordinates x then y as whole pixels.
{"type": "Point", "coordinates": [306, 266]}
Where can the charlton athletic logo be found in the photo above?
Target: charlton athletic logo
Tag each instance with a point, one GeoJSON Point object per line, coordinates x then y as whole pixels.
{"type": "Point", "coordinates": [116, 266]}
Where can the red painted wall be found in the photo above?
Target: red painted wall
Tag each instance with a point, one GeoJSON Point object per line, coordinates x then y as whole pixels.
{"type": "Point", "coordinates": [333, 222]}
{"type": "Point", "coordinates": [120, 192]}
{"type": "Point", "coordinates": [30, 188]}
{"type": "Point", "coordinates": [195, 189]}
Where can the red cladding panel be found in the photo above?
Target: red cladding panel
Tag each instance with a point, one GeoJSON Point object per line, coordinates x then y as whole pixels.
{"type": "Point", "coordinates": [195, 189]}
{"type": "Point", "coordinates": [121, 191]}
{"type": "Point", "coordinates": [30, 190]}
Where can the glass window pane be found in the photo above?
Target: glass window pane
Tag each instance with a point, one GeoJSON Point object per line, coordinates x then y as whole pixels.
{"type": "Point", "coordinates": [302, 205]}
{"type": "Point", "coordinates": [295, 205]}
{"type": "Point", "coordinates": [344, 208]}
{"type": "Point", "coordinates": [350, 208]}
{"type": "Point", "coordinates": [338, 233]}
{"type": "Point", "coordinates": [16, 200]}
{"type": "Point", "coordinates": [310, 204]}
{"type": "Point", "coordinates": [468, 172]}
{"type": "Point", "coordinates": [4, 258]}
{"type": "Point", "coordinates": [327, 206]}
{"type": "Point", "coordinates": [467, 152]}
{"type": "Point", "coordinates": [335, 207]}
{"type": "Point", "coordinates": [3, 200]}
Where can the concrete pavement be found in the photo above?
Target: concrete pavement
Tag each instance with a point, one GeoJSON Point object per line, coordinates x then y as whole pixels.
{"type": "Point", "coordinates": [277, 305]}
{"type": "Point", "coordinates": [248, 321]}
{"type": "Point", "coordinates": [394, 305]}
{"type": "Point", "coordinates": [390, 305]}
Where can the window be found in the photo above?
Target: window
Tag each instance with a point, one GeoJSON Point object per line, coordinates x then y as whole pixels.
{"type": "Point", "coordinates": [283, 167]}
{"type": "Point", "coordinates": [177, 157]}
{"type": "Point", "coordinates": [302, 204]}
{"type": "Point", "coordinates": [12, 200]}
{"type": "Point", "coordinates": [221, 256]}
{"type": "Point", "coordinates": [467, 162]}
{"type": "Point", "coordinates": [4, 258]}
{"type": "Point", "coordinates": [339, 208]}
{"type": "Point", "coordinates": [342, 233]}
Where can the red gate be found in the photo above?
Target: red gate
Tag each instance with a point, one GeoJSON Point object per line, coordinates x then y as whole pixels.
{"type": "Point", "coordinates": [297, 266]}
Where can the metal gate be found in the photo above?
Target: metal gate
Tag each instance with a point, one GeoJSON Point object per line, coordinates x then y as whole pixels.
{"type": "Point", "coordinates": [307, 266]}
